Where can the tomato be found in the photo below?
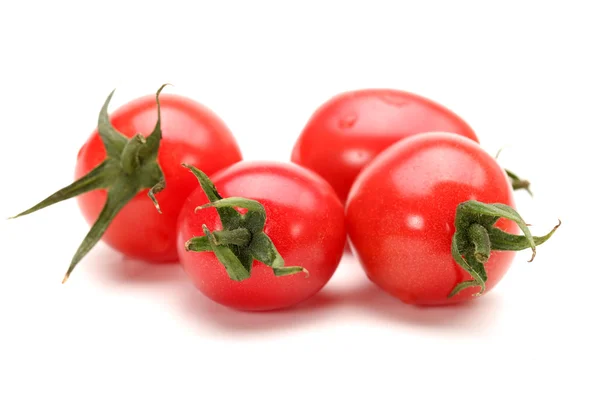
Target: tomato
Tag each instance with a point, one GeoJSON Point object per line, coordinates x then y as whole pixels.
{"type": "Point", "coordinates": [351, 129]}
{"type": "Point", "coordinates": [401, 215]}
{"type": "Point", "coordinates": [193, 134]}
{"type": "Point", "coordinates": [304, 219]}
{"type": "Point", "coordinates": [136, 153]}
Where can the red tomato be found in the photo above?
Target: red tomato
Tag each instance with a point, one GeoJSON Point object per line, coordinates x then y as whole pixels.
{"type": "Point", "coordinates": [401, 210]}
{"type": "Point", "coordinates": [352, 128]}
{"type": "Point", "coordinates": [191, 133]}
{"type": "Point", "coordinates": [305, 221]}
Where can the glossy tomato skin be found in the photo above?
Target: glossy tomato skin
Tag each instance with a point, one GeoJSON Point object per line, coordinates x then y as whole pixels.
{"type": "Point", "coordinates": [305, 221]}
{"type": "Point", "coordinates": [400, 216]}
{"type": "Point", "coordinates": [351, 129]}
{"type": "Point", "coordinates": [193, 134]}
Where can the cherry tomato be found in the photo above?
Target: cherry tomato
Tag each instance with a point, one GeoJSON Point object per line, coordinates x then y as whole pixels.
{"type": "Point", "coordinates": [352, 128]}
{"type": "Point", "coordinates": [191, 133]}
{"type": "Point", "coordinates": [401, 216]}
{"type": "Point", "coordinates": [304, 219]}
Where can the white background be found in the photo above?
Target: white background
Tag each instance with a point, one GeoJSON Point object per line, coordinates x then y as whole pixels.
{"type": "Point", "coordinates": [524, 74]}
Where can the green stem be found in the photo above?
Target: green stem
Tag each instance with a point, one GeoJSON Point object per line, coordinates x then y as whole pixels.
{"type": "Point", "coordinates": [229, 216]}
{"type": "Point", "coordinates": [117, 198]}
{"type": "Point", "coordinates": [480, 239]}
{"type": "Point", "coordinates": [198, 244]}
{"type": "Point", "coordinates": [100, 177]}
{"type": "Point", "coordinates": [130, 157]}
{"type": "Point", "coordinates": [476, 236]}
{"type": "Point", "coordinates": [114, 141]}
{"type": "Point", "coordinates": [130, 166]}
{"type": "Point", "coordinates": [518, 183]}
{"type": "Point", "coordinates": [238, 237]}
{"type": "Point", "coordinates": [235, 269]}
{"type": "Point", "coordinates": [242, 239]}
{"type": "Point", "coordinates": [158, 187]}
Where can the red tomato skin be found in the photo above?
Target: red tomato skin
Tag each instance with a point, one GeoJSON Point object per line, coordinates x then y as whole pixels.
{"type": "Point", "coordinates": [351, 129]}
{"type": "Point", "coordinates": [193, 134]}
{"type": "Point", "coordinates": [305, 221]}
{"type": "Point", "coordinates": [400, 216]}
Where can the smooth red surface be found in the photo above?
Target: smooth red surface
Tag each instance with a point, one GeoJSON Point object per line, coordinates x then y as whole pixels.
{"type": "Point", "coordinates": [351, 129]}
{"type": "Point", "coordinates": [400, 215]}
{"type": "Point", "coordinates": [305, 221]}
{"type": "Point", "coordinates": [191, 133]}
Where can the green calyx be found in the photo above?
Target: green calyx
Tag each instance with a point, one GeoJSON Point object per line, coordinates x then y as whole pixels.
{"type": "Point", "coordinates": [476, 237]}
{"type": "Point", "coordinates": [130, 166]}
{"type": "Point", "coordinates": [518, 183]}
{"type": "Point", "coordinates": [242, 240]}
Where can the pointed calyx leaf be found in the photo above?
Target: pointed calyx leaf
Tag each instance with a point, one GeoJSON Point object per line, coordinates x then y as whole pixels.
{"type": "Point", "coordinates": [518, 183]}
{"type": "Point", "coordinates": [130, 166]}
{"type": "Point", "coordinates": [242, 239]}
{"type": "Point", "coordinates": [476, 237]}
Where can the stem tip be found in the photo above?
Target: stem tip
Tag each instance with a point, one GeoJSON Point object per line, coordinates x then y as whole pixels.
{"type": "Point", "coordinates": [202, 207]}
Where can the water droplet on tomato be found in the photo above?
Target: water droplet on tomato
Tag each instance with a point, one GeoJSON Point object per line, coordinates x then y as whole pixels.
{"type": "Point", "coordinates": [348, 121]}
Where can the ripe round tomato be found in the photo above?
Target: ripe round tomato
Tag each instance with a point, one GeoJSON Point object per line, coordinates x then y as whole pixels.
{"type": "Point", "coordinates": [191, 133]}
{"type": "Point", "coordinates": [352, 128]}
{"type": "Point", "coordinates": [401, 216]}
{"type": "Point", "coordinates": [304, 219]}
